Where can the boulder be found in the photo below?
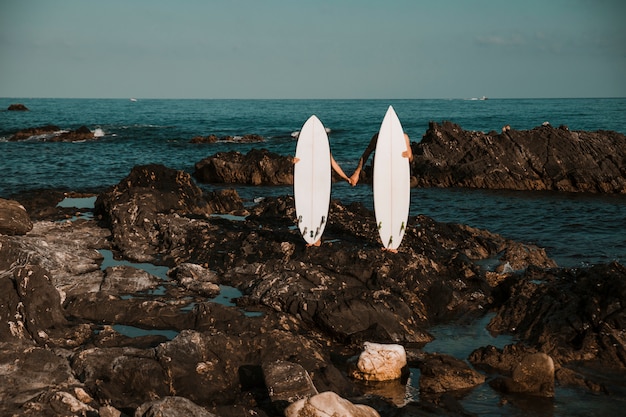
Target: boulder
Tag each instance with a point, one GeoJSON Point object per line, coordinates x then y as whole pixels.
{"type": "Point", "coordinates": [17, 107]}
{"type": "Point", "coordinates": [125, 279]}
{"type": "Point", "coordinates": [443, 373]}
{"type": "Point", "coordinates": [287, 382]}
{"type": "Point", "coordinates": [32, 305]}
{"type": "Point", "coordinates": [53, 133]}
{"type": "Point", "coordinates": [196, 278]}
{"type": "Point", "coordinates": [257, 167]}
{"type": "Point", "coordinates": [31, 376]}
{"type": "Point", "coordinates": [14, 219]}
{"type": "Point", "coordinates": [45, 131]}
{"type": "Point", "coordinates": [225, 201]}
{"type": "Point", "coordinates": [204, 139]}
{"type": "Point", "coordinates": [379, 362]}
{"type": "Point", "coordinates": [328, 403]}
{"type": "Point", "coordinates": [543, 158]}
{"type": "Point", "coordinates": [81, 134]}
{"type": "Point", "coordinates": [122, 377]}
{"type": "Point", "coordinates": [172, 407]}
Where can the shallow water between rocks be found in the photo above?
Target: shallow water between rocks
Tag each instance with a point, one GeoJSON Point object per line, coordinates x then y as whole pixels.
{"type": "Point", "coordinates": [454, 339]}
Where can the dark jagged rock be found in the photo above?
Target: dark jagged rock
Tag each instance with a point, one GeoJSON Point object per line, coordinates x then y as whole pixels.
{"type": "Point", "coordinates": [570, 314]}
{"type": "Point", "coordinates": [257, 167]}
{"type": "Point", "coordinates": [520, 369]}
{"type": "Point", "coordinates": [81, 134]}
{"type": "Point", "coordinates": [312, 307]}
{"type": "Point", "coordinates": [52, 133]}
{"type": "Point", "coordinates": [204, 139]}
{"type": "Point", "coordinates": [225, 201]}
{"type": "Point", "coordinates": [132, 208]}
{"type": "Point", "coordinates": [28, 372]}
{"type": "Point", "coordinates": [543, 158]}
{"type": "Point", "coordinates": [172, 407]}
{"type": "Point", "coordinates": [14, 220]}
{"type": "Point", "coordinates": [443, 373]}
{"type": "Point", "coordinates": [45, 131]}
{"type": "Point", "coordinates": [17, 107]}
{"type": "Point", "coordinates": [33, 305]}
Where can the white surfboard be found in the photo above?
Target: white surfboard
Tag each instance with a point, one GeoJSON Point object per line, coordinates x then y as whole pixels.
{"type": "Point", "coordinates": [312, 180]}
{"type": "Point", "coordinates": [392, 182]}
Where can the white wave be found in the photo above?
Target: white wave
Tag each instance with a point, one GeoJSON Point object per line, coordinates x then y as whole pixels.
{"type": "Point", "coordinates": [297, 132]}
{"type": "Point", "coordinates": [98, 133]}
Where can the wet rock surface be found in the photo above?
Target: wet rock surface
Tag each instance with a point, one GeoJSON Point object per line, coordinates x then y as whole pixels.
{"type": "Point", "coordinates": [255, 168]}
{"type": "Point", "coordinates": [543, 158]}
{"type": "Point", "coordinates": [52, 133]}
{"type": "Point", "coordinates": [302, 310]}
{"type": "Point", "coordinates": [17, 107]}
{"type": "Point", "coordinates": [14, 220]}
{"type": "Point", "coordinates": [571, 314]}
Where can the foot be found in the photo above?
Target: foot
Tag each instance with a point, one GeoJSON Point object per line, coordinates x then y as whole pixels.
{"type": "Point", "coordinates": [390, 250]}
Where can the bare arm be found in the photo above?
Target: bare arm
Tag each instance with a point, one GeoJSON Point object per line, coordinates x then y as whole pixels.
{"type": "Point", "coordinates": [354, 179]}
{"type": "Point", "coordinates": [409, 152]}
{"type": "Point", "coordinates": [338, 169]}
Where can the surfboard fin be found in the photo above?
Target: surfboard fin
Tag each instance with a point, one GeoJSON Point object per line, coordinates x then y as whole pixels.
{"type": "Point", "coordinates": [299, 219]}
{"type": "Point", "coordinates": [317, 232]}
{"type": "Point", "coordinates": [323, 220]}
{"type": "Point", "coordinates": [402, 227]}
{"type": "Point", "coordinates": [304, 231]}
{"type": "Point", "coordinates": [390, 241]}
{"type": "Point", "coordinates": [380, 225]}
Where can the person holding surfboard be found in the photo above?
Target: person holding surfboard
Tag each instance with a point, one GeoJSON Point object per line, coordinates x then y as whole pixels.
{"type": "Point", "coordinates": [354, 178]}
{"type": "Point", "coordinates": [312, 179]}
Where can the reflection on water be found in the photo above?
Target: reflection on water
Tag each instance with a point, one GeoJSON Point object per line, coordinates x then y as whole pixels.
{"type": "Point", "coordinates": [460, 340]}
{"type": "Point", "coordinates": [226, 296]}
{"type": "Point", "coordinates": [81, 202]}
{"type": "Point", "coordinates": [132, 331]}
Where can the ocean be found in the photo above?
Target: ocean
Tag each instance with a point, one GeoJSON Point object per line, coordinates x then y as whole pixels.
{"type": "Point", "coordinates": [576, 229]}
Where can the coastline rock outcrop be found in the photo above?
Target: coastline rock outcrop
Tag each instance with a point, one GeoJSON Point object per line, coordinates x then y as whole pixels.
{"type": "Point", "coordinates": [299, 315]}
{"type": "Point", "coordinates": [132, 208]}
{"type": "Point", "coordinates": [543, 158]}
{"type": "Point", "coordinates": [14, 220]}
{"type": "Point", "coordinates": [570, 314]}
{"type": "Point", "coordinates": [17, 107]}
{"type": "Point", "coordinates": [257, 167]}
{"type": "Point", "coordinates": [52, 133]}
{"type": "Point", "coordinates": [43, 131]}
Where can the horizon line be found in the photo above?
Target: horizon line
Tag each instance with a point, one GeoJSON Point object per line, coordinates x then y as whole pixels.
{"type": "Point", "coordinates": [481, 98]}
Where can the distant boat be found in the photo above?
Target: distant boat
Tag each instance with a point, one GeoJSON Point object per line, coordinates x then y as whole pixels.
{"type": "Point", "coordinates": [133, 99]}
{"type": "Point", "coordinates": [483, 98]}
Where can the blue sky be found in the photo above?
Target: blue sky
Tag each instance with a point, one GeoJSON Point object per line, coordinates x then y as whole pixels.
{"type": "Point", "coordinates": [312, 49]}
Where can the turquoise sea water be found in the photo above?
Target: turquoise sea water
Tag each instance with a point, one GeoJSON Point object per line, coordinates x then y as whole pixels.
{"type": "Point", "coordinates": [576, 229]}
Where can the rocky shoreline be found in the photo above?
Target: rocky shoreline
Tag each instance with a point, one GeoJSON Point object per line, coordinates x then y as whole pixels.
{"type": "Point", "coordinates": [291, 344]}
{"type": "Point", "coordinates": [543, 158]}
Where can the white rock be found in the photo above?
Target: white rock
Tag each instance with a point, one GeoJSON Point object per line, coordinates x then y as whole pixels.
{"type": "Point", "coordinates": [379, 362]}
{"type": "Point", "coordinates": [328, 404]}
